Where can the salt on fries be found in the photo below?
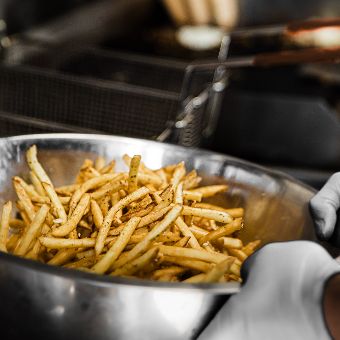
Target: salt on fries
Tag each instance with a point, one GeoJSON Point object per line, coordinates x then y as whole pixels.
{"type": "Point", "coordinates": [142, 223]}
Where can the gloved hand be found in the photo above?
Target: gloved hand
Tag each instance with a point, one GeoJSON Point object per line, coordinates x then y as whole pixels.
{"type": "Point", "coordinates": [281, 297]}
{"type": "Point", "coordinates": [324, 209]}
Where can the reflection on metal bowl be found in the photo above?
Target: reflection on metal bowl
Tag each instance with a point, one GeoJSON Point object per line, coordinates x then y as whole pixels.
{"type": "Point", "coordinates": [45, 301]}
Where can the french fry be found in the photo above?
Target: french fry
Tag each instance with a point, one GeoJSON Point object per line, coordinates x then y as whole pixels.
{"type": "Point", "coordinates": [179, 194]}
{"type": "Point", "coordinates": [34, 252]}
{"type": "Point", "coordinates": [196, 254]}
{"type": "Point", "coordinates": [12, 242]}
{"type": "Point", "coordinates": [84, 262]}
{"type": "Point", "coordinates": [55, 201]}
{"type": "Point", "coordinates": [4, 226]}
{"type": "Point", "coordinates": [73, 221]}
{"type": "Point", "coordinates": [218, 271]}
{"type": "Point", "coordinates": [137, 264]}
{"type": "Point", "coordinates": [146, 178]}
{"type": "Point", "coordinates": [187, 232]}
{"type": "Point", "coordinates": [158, 229]}
{"type": "Point", "coordinates": [188, 263]}
{"type": "Point", "coordinates": [103, 231]}
{"type": "Point", "coordinates": [178, 174]}
{"type": "Point", "coordinates": [34, 196]}
{"type": "Point", "coordinates": [63, 256]}
{"type": "Point", "coordinates": [195, 279]}
{"type": "Point", "coordinates": [109, 258]}
{"type": "Point", "coordinates": [231, 242]}
{"type": "Point", "coordinates": [15, 223]}
{"type": "Point", "coordinates": [143, 168]}
{"type": "Point", "coordinates": [85, 254]}
{"type": "Point", "coordinates": [82, 174]}
{"type": "Point", "coordinates": [219, 216]}
{"type": "Point", "coordinates": [222, 231]}
{"type": "Point", "coordinates": [192, 196]}
{"type": "Point", "coordinates": [182, 242]}
{"type": "Point", "coordinates": [37, 184]}
{"type": "Point", "coordinates": [91, 184]}
{"type": "Point", "coordinates": [170, 271]}
{"type": "Point", "coordinates": [97, 214]}
{"type": "Point", "coordinates": [65, 200]}
{"type": "Point", "coordinates": [108, 188]}
{"type": "Point", "coordinates": [133, 173]}
{"type": "Point", "coordinates": [99, 163]}
{"type": "Point", "coordinates": [32, 231]}
{"type": "Point", "coordinates": [250, 247]}
{"type": "Point", "coordinates": [234, 212]}
{"type": "Point", "coordinates": [25, 200]}
{"type": "Point", "coordinates": [39, 171]}
{"type": "Point", "coordinates": [104, 204]}
{"type": "Point", "coordinates": [191, 180]}
{"type": "Point", "coordinates": [62, 243]}
{"type": "Point", "coordinates": [109, 168]}
{"type": "Point", "coordinates": [238, 253]}
{"type": "Point", "coordinates": [67, 189]}
{"type": "Point", "coordinates": [211, 190]}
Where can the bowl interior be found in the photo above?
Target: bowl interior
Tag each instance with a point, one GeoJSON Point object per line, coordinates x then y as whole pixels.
{"type": "Point", "coordinates": [276, 206]}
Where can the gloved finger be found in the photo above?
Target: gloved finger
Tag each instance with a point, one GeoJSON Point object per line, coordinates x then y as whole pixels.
{"type": "Point", "coordinates": [324, 206]}
{"type": "Point", "coordinates": [335, 238]}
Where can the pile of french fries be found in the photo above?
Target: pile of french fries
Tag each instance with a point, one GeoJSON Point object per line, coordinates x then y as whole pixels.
{"type": "Point", "coordinates": [142, 223]}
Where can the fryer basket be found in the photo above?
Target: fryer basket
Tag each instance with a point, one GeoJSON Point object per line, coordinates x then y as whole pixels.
{"type": "Point", "coordinates": [95, 90]}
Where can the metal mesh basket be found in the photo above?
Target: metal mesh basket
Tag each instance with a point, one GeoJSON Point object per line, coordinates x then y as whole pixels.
{"type": "Point", "coordinates": [98, 91]}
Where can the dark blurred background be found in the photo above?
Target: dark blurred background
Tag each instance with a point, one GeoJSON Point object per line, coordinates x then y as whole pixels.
{"type": "Point", "coordinates": [111, 66]}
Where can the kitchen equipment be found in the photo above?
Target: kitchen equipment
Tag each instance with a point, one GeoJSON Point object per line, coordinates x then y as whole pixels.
{"type": "Point", "coordinates": [130, 91]}
{"type": "Point", "coordinates": [53, 302]}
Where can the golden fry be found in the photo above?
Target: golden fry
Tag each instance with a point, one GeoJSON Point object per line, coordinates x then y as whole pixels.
{"type": "Point", "coordinates": [109, 258]}
{"type": "Point", "coordinates": [137, 264]}
{"type": "Point", "coordinates": [218, 271]}
{"type": "Point", "coordinates": [182, 242]}
{"type": "Point", "coordinates": [61, 243]}
{"type": "Point", "coordinates": [97, 214]}
{"type": "Point", "coordinates": [36, 167]}
{"type": "Point", "coordinates": [32, 231]}
{"type": "Point", "coordinates": [92, 184]}
{"type": "Point", "coordinates": [63, 256]}
{"type": "Point", "coordinates": [4, 226]}
{"type": "Point", "coordinates": [178, 174]}
{"type": "Point", "coordinates": [202, 255]}
{"type": "Point", "coordinates": [73, 221]}
{"type": "Point", "coordinates": [158, 229]}
{"type": "Point", "coordinates": [222, 231]}
{"type": "Point", "coordinates": [234, 212]}
{"type": "Point", "coordinates": [133, 173]}
{"type": "Point", "coordinates": [99, 163]}
{"type": "Point", "coordinates": [188, 263]}
{"type": "Point", "coordinates": [179, 194]}
{"type": "Point", "coordinates": [195, 279]}
{"type": "Point", "coordinates": [37, 184]}
{"type": "Point", "coordinates": [219, 216]}
{"type": "Point", "coordinates": [250, 247]}
{"type": "Point", "coordinates": [109, 168]}
{"type": "Point", "coordinates": [187, 232]}
{"type": "Point", "coordinates": [55, 201]}
{"type": "Point", "coordinates": [25, 200]}
{"type": "Point", "coordinates": [103, 231]}
{"type": "Point", "coordinates": [192, 196]}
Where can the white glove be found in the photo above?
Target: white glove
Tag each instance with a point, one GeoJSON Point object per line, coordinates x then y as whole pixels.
{"type": "Point", "coordinates": [281, 297]}
{"type": "Point", "coordinates": [324, 206]}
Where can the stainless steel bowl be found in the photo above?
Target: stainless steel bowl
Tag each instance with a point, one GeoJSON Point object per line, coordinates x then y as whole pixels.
{"type": "Point", "coordinates": [53, 302]}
